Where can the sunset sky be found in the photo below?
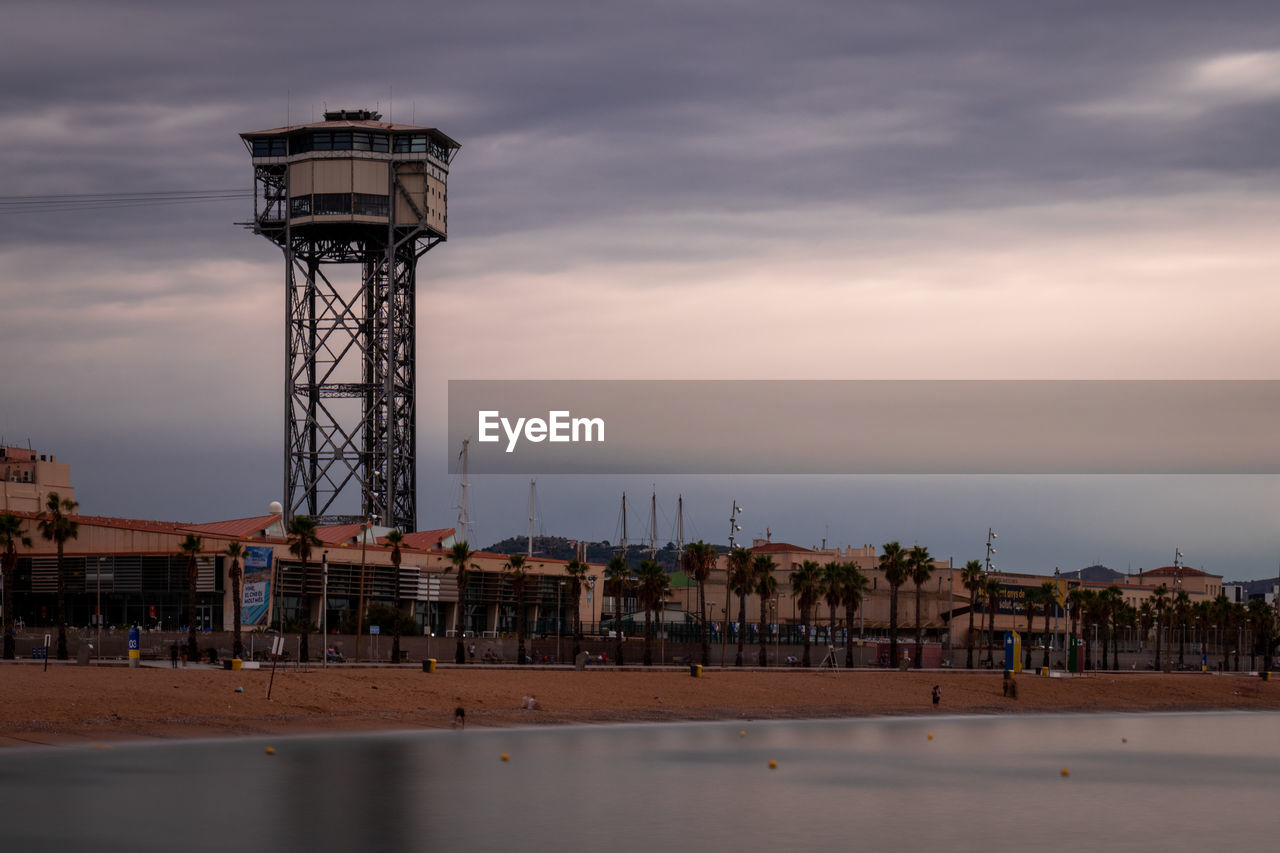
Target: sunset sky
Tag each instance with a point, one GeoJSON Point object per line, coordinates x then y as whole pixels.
{"type": "Point", "coordinates": [682, 190]}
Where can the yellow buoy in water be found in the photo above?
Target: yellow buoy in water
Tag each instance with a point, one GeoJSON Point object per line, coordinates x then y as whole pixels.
{"type": "Point", "coordinates": [742, 734]}
{"type": "Point", "coordinates": [773, 765]}
{"type": "Point", "coordinates": [505, 756]}
{"type": "Point", "coordinates": [930, 735]}
{"type": "Point", "coordinates": [271, 750]}
{"type": "Point", "coordinates": [1066, 772]}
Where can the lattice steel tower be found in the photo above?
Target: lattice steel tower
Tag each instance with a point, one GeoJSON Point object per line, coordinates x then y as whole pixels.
{"type": "Point", "coordinates": [351, 192]}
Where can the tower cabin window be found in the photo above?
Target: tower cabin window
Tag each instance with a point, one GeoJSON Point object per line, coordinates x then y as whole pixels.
{"type": "Point", "coordinates": [340, 140]}
{"type": "Point", "coordinates": [273, 146]}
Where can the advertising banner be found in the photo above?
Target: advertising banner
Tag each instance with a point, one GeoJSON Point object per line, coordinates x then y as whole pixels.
{"type": "Point", "coordinates": [256, 595]}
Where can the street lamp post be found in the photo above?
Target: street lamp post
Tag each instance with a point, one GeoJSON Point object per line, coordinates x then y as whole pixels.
{"type": "Point", "coordinates": [591, 585]}
{"type": "Point", "coordinates": [1057, 589]}
{"type": "Point", "coordinates": [364, 541]}
{"type": "Point", "coordinates": [324, 608]}
{"type": "Point", "coordinates": [559, 618]}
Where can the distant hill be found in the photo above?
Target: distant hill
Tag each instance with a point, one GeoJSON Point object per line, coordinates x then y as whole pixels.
{"type": "Point", "coordinates": [562, 548]}
{"type": "Point", "coordinates": [1096, 574]}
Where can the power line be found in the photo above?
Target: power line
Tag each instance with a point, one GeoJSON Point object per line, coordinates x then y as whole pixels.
{"type": "Point", "coordinates": [107, 201]}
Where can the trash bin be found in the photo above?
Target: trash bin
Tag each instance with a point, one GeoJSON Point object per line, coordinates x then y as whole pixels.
{"type": "Point", "coordinates": [429, 665]}
{"type": "Point", "coordinates": [695, 669]}
{"type": "Point", "coordinates": [236, 663]}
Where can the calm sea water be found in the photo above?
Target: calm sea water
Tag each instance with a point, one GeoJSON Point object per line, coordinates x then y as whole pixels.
{"type": "Point", "coordinates": [1176, 782]}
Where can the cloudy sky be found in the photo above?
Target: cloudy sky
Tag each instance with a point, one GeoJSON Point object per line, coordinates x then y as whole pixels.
{"type": "Point", "coordinates": [673, 190]}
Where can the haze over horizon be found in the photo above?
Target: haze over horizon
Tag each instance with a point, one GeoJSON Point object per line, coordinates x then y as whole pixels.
{"type": "Point", "coordinates": [921, 190]}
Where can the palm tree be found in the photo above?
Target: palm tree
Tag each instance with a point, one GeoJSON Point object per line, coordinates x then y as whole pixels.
{"type": "Point", "coordinates": [302, 539]}
{"type": "Point", "coordinates": [1077, 601]}
{"type": "Point", "coordinates": [1111, 602]}
{"type": "Point", "coordinates": [11, 536]}
{"type": "Point", "coordinates": [991, 590]}
{"type": "Point", "coordinates": [1030, 602]}
{"type": "Point", "coordinates": [1159, 599]}
{"type": "Point", "coordinates": [1202, 611]}
{"type": "Point", "coordinates": [577, 571]}
{"type": "Point", "coordinates": [762, 567]}
{"type": "Point", "coordinates": [833, 593]}
{"type": "Point", "coordinates": [189, 548]}
{"type": "Point", "coordinates": [1146, 619]}
{"type": "Point", "coordinates": [618, 573]}
{"type": "Point", "coordinates": [1088, 601]}
{"type": "Point", "coordinates": [700, 559]}
{"type": "Point", "coordinates": [1126, 617]}
{"type": "Point", "coordinates": [460, 559]}
{"type": "Point", "coordinates": [1222, 619]}
{"type": "Point", "coordinates": [1254, 614]}
{"type": "Point", "coordinates": [806, 586]}
{"type": "Point", "coordinates": [853, 590]}
{"type": "Point", "coordinates": [893, 562]}
{"type": "Point", "coordinates": [236, 552]}
{"type": "Point", "coordinates": [517, 568]}
{"type": "Point", "coordinates": [971, 578]}
{"type": "Point", "coordinates": [1262, 620]}
{"type": "Point", "coordinates": [1181, 612]}
{"type": "Point", "coordinates": [921, 567]}
{"type": "Point", "coordinates": [395, 538]}
{"type": "Point", "coordinates": [57, 526]}
{"type": "Point", "coordinates": [652, 588]}
{"type": "Point", "coordinates": [1049, 598]}
{"type": "Point", "coordinates": [737, 579]}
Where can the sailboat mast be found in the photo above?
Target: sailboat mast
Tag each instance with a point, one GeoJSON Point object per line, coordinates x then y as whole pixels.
{"type": "Point", "coordinates": [679, 528]}
{"type": "Point", "coordinates": [653, 527]}
{"type": "Point", "coordinates": [531, 501]}
{"type": "Point", "coordinates": [463, 521]}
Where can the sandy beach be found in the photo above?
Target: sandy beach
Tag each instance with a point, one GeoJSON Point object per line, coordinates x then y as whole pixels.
{"type": "Point", "coordinates": [103, 703]}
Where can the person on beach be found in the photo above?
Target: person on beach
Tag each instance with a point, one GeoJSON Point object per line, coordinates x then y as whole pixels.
{"type": "Point", "coordinates": [459, 718]}
{"type": "Point", "coordinates": [937, 695]}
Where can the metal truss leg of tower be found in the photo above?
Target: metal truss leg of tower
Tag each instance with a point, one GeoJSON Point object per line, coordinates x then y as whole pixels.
{"type": "Point", "coordinates": [350, 383]}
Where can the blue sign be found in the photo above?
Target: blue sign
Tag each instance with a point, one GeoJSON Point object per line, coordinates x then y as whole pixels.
{"type": "Point", "coordinates": [374, 629]}
{"type": "Point", "coordinates": [258, 556]}
{"type": "Point", "coordinates": [135, 637]}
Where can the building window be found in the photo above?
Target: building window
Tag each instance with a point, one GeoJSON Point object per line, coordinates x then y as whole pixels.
{"type": "Point", "coordinates": [270, 147]}
{"type": "Point", "coordinates": [329, 204]}
{"type": "Point", "coordinates": [367, 204]}
{"type": "Point", "coordinates": [300, 205]}
{"type": "Point", "coordinates": [416, 144]}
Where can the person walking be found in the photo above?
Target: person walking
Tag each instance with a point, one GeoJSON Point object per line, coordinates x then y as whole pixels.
{"type": "Point", "coordinates": [937, 695]}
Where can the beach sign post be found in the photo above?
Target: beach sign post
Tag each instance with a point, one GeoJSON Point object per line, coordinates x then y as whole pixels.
{"type": "Point", "coordinates": [277, 648]}
{"type": "Point", "coordinates": [135, 650]}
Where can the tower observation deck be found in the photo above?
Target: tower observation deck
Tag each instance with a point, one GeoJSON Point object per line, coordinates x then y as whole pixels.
{"type": "Point", "coordinates": [353, 202]}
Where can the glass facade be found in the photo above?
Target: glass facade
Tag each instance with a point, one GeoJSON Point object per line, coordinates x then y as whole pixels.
{"type": "Point", "coordinates": [349, 140]}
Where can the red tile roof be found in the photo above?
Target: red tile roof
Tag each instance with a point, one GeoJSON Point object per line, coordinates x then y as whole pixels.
{"type": "Point", "coordinates": [237, 527]}
{"type": "Point", "coordinates": [424, 540]}
{"type": "Point", "coordinates": [1171, 571]}
{"type": "Point", "coordinates": [337, 534]}
{"type": "Point", "coordinates": [777, 547]}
